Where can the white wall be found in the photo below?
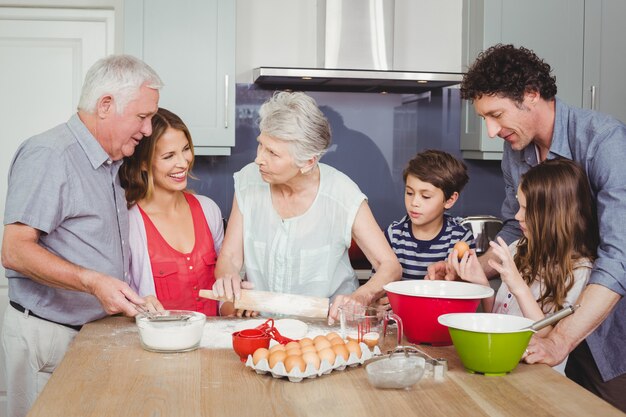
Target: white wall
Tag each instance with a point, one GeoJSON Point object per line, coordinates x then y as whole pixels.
{"type": "Point", "coordinates": [428, 35]}
{"type": "Point", "coordinates": [275, 33]}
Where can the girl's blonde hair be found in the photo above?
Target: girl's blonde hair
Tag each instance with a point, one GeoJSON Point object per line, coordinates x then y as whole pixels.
{"type": "Point", "coordinates": [561, 226]}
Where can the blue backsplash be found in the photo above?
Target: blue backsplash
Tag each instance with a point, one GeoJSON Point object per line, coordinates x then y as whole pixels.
{"type": "Point", "coordinates": [374, 135]}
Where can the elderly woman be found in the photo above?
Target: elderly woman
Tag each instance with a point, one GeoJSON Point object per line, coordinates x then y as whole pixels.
{"type": "Point", "coordinates": [293, 218]}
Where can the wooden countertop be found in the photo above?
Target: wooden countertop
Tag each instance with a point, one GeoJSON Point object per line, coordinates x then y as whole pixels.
{"type": "Point", "coordinates": [107, 373]}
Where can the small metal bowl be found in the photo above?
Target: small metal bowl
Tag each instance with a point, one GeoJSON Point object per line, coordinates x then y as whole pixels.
{"type": "Point", "coordinates": [397, 370]}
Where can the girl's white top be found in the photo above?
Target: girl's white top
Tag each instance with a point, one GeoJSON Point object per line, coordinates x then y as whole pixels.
{"type": "Point", "coordinates": [307, 254]}
{"type": "Point", "coordinates": [506, 303]}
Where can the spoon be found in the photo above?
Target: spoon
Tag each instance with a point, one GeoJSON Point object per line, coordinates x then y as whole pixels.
{"type": "Point", "coordinates": [551, 319]}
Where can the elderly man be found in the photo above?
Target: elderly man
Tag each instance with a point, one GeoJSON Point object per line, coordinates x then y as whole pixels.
{"type": "Point", "coordinates": [65, 243]}
{"type": "Point", "coordinates": [513, 91]}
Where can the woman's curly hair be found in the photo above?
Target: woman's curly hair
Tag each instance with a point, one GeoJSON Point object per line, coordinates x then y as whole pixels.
{"type": "Point", "coordinates": [508, 72]}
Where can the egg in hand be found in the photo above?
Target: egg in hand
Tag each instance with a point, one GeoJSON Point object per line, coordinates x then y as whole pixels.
{"type": "Point", "coordinates": [461, 247]}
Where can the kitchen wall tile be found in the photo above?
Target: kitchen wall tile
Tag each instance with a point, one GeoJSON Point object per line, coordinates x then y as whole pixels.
{"type": "Point", "coordinates": [374, 135]}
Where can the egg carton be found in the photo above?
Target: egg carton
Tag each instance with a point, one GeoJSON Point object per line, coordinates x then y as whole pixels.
{"type": "Point", "coordinates": [279, 371]}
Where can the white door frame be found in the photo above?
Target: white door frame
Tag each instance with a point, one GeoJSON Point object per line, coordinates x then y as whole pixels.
{"type": "Point", "coordinates": [44, 54]}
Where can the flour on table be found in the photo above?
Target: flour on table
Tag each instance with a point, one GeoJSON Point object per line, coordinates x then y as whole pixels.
{"type": "Point", "coordinates": [218, 333]}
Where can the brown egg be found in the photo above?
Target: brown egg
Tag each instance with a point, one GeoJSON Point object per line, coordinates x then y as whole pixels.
{"type": "Point", "coordinates": [337, 341]}
{"type": "Point", "coordinates": [259, 355]}
{"type": "Point", "coordinates": [294, 352]}
{"type": "Point", "coordinates": [292, 345]}
{"type": "Point", "coordinates": [332, 335]}
{"type": "Point", "coordinates": [310, 348]}
{"type": "Point", "coordinates": [306, 342]}
{"type": "Point", "coordinates": [278, 356]}
{"type": "Point", "coordinates": [341, 350]}
{"type": "Point", "coordinates": [370, 339]}
{"type": "Point", "coordinates": [353, 337]}
{"type": "Point", "coordinates": [311, 358]}
{"type": "Point", "coordinates": [292, 362]}
{"type": "Point", "coordinates": [322, 344]}
{"type": "Point", "coordinates": [277, 347]}
{"type": "Point", "coordinates": [354, 347]}
{"type": "Point", "coordinates": [461, 247]}
{"type": "Point", "coordinates": [328, 355]}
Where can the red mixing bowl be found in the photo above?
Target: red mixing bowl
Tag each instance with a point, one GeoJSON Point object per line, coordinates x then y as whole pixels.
{"type": "Point", "coordinates": [419, 303]}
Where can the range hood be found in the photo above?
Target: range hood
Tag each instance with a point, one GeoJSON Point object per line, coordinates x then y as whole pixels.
{"type": "Point", "coordinates": [313, 79]}
{"type": "Point", "coordinates": [355, 48]}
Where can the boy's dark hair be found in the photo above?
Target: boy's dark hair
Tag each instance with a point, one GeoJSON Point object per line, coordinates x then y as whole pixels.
{"type": "Point", "coordinates": [440, 169]}
{"type": "Point", "coordinates": [509, 72]}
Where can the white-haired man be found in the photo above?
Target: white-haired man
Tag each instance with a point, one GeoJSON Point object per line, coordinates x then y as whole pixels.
{"type": "Point", "coordinates": [65, 246]}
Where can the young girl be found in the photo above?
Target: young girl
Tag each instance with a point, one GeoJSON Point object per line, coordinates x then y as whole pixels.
{"type": "Point", "coordinates": [174, 236]}
{"type": "Point", "coordinates": [549, 266]}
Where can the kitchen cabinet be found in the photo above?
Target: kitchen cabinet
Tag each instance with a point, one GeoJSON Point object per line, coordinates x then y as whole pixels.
{"type": "Point", "coordinates": [582, 40]}
{"type": "Point", "coordinates": [604, 88]}
{"type": "Point", "coordinates": [191, 45]}
{"type": "Point", "coordinates": [554, 29]}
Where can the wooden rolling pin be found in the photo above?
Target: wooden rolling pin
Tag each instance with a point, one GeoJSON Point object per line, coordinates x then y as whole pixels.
{"type": "Point", "coordinates": [279, 303]}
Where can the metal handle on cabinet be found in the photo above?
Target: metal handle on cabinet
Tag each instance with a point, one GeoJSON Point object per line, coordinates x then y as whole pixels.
{"type": "Point", "coordinates": [593, 97]}
{"type": "Point", "coordinates": [226, 101]}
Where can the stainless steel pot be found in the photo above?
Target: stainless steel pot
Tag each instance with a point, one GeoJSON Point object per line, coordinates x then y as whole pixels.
{"type": "Point", "coordinates": [484, 229]}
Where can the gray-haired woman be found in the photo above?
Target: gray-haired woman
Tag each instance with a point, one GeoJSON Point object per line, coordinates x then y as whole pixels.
{"type": "Point", "coordinates": [293, 218]}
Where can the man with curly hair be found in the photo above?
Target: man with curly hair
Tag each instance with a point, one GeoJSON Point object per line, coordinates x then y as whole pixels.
{"type": "Point", "coordinates": [514, 92]}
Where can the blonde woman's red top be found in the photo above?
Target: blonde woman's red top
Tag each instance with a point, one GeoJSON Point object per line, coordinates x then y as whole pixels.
{"type": "Point", "coordinates": [178, 277]}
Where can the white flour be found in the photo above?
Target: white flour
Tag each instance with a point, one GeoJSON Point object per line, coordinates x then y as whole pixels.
{"type": "Point", "coordinates": [171, 336]}
{"type": "Point", "coordinates": [218, 332]}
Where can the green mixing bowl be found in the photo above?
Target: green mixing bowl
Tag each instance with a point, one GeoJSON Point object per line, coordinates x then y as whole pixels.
{"type": "Point", "coordinates": [487, 343]}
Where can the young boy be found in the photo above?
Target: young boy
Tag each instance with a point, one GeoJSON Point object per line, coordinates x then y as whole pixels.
{"type": "Point", "coordinates": [433, 180]}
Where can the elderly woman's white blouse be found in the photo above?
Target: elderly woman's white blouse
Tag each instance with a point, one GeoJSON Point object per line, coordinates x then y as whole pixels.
{"type": "Point", "coordinates": [307, 254]}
